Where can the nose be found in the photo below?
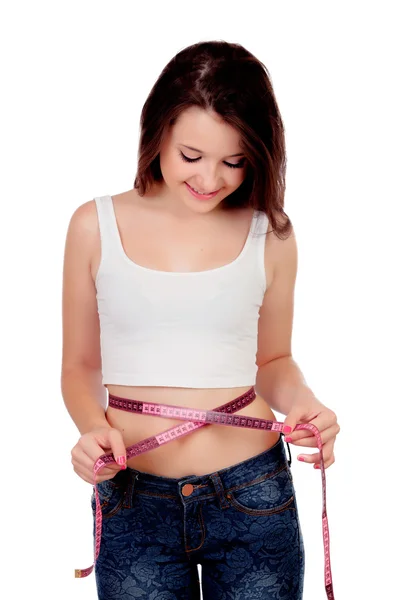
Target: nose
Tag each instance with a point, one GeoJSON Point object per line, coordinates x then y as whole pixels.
{"type": "Point", "coordinates": [208, 181]}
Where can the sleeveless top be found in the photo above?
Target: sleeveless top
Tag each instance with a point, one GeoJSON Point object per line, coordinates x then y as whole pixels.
{"type": "Point", "coordinates": [180, 329]}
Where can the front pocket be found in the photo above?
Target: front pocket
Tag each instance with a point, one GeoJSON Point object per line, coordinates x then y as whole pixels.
{"type": "Point", "coordinates": [266, 497]}
{"type": "Point", "coordinates": [110, 497]}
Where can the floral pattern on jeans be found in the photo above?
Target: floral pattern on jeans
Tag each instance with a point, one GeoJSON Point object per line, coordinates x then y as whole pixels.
{"type": "Point", "coordinates": [240, 524]}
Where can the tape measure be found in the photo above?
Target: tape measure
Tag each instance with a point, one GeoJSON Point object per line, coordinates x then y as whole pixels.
{"type": "Point", "coordinates": [196, 418]}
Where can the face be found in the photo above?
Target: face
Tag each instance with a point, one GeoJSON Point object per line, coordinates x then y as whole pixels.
{"type": "Point", "coordinates": [202, 153]}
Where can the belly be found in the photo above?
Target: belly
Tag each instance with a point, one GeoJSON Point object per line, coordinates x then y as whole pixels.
{"type": "Point", "coordinates": [204, 450]}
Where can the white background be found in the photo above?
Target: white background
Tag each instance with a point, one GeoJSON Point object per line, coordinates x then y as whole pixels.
{"type": "Point", "coordinates": [75, 76]}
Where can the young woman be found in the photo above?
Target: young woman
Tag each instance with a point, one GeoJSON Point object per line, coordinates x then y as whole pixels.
{"type": "Point", "coordinates": [180, 292]}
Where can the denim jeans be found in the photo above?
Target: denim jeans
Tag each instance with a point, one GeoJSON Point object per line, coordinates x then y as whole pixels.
{"type": "Point", "coordinates": [240, 524]}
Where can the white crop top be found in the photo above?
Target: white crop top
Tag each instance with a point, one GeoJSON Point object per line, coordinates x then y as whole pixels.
{"type": "Point", "coordinates": [191, 329]}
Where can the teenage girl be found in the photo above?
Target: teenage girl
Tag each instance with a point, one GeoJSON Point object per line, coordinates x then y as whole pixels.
{"type": "Point", "coordinates": [180, 292]}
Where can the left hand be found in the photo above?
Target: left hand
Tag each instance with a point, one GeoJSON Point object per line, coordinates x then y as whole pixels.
{"type": "Point", "coordinates": [308, 409]}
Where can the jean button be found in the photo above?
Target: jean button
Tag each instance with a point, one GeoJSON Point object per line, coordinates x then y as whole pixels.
{"type": "Point", "coordinates": [187, 489]}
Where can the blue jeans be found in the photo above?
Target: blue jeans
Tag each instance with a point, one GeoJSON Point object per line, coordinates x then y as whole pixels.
{"type": "Point", "coordinates": [240, 524]}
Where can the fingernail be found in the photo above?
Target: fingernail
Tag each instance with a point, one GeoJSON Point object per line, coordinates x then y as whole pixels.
{"type": "Point", "coordinates": [121, 460]}
{"type": "Point", "coordinates": [288, 439]}
{"type": "Point", "coordinates": [301, 458]}
{"type": "Point", "coordinates": [287, 429]}
{"type": "Point", "coordinates": [317, 467]}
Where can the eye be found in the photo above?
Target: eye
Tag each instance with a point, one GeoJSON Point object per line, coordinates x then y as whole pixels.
{"type": "Point", "coordinates": [190, 160]}
{"type": "Point", "coordinates": [238, 165]}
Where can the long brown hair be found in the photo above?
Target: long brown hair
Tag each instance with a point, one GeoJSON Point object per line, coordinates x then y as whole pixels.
{"type": "Point", "coordinates": [225, 78]}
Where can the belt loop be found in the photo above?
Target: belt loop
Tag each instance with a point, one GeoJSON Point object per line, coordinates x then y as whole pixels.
{"type": "Point", "coordinates": [290, 456]}
{"type": "Point", "coordinates": [129, 488]}
{"type": "Point", "coordinates": [216, 479]}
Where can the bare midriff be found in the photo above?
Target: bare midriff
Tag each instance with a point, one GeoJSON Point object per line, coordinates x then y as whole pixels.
{"type": "Point", "coordinates": [202, 451]}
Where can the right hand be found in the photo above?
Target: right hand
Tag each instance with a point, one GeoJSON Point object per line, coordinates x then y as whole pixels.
{"type": "Point", "coordinates": [91, 446]}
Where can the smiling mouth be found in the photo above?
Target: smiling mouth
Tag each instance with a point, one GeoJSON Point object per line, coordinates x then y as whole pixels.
{"type": "Point", "coordinates": [203, 193]}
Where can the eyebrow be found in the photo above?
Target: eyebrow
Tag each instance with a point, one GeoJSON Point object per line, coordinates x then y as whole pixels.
{"type": "Point", "coordinates": [201, 152]}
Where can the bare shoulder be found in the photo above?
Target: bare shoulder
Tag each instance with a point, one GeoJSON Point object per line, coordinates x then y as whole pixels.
{"type": "Point", "coordinates": [279, 255]}
{"type": "Point", "coordinates": [282, 253]}
{"type": "Point", "coordinates": [84, 218]}
{"type": "Point", "coordinates": [84, 223]}
{"type": "Point", "coordinates": [83, 237]}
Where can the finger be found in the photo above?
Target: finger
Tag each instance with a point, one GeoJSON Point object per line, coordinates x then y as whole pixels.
{"type": "Point", "coordinates": [112, 467]}
{"type": "Point", "coordinates": [86, 475]}
{"type": "Point", "coordinates": [310, 440]}
{"type": "Point", "coordinates": [83, 458]}
{"type": "Point", "coordinates": [85, 464]}
{"type": "Point", "coordinates": [309, 458]}
{"type": "Point", "coordinates": [306, 433]}
{"type": "Point", "coordinates": [327, 464]}
{"type": "Point", "coordinates": [92, 447]}
{"type": "Point", "coordinates": [327, 451]}
{"type": "Point", "coordinates": [298, 435]}
{"type": "Point", "coordinates": [117, 444]}
{"type": "Point", "coordinates": [102, 443]}
{"type": "Point", "coordinates": [324, 420]}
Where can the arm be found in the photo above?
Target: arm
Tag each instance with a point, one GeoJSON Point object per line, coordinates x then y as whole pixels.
{"type": "Point", "coordinates": [278, 382]}
{"type": "Point", "coordinates": [81, 378]}
{"type": "Point", "coordinates": [279, 377]}
{"type": "Point", "coordinates": [84, 397]}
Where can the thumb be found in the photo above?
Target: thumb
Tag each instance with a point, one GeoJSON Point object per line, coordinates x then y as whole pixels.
{"type": "Point", "coordinates": [291, 420]}
{"type": "Point", "coordinates": [117, 446]}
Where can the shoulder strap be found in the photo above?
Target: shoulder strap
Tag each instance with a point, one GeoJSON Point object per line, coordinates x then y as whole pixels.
{"type": "Point", "coordinates": [263, 222]}
{"type": "Point", "coordinates": [259, 239]}
{"type": "Point", "coordinates": [260, 228]}
{"type": "Point", "coordinates": [107, 226]}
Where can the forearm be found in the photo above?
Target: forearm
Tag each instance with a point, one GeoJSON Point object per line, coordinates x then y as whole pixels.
{"type": "Point", "coordinates": [278, 381]}
{"type": "Point", "coordinates": [85, 397]}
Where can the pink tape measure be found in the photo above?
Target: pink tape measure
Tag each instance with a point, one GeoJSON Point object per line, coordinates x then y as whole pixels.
{"type": "Point", "coordinates": [196, 418]}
